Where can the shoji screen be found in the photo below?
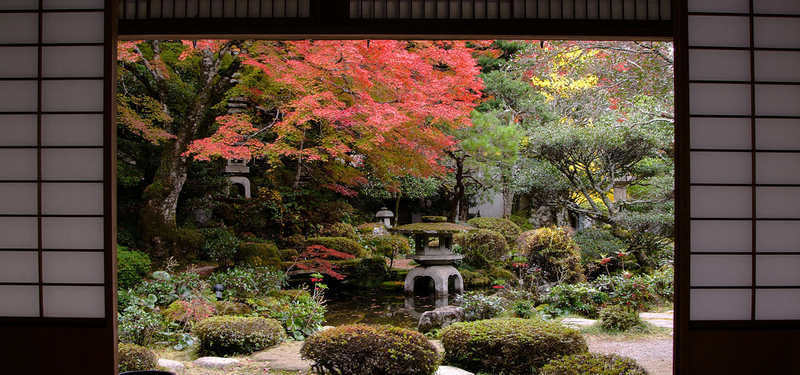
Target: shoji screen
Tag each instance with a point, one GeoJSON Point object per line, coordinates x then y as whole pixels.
{"type": "Point", "coordinates": [56, 169]}
{"type": "Point", "coordinates": [741, 60]}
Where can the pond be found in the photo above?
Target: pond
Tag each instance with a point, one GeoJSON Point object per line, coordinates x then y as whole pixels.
{"type": "Point", "coordinates": [378, 307]}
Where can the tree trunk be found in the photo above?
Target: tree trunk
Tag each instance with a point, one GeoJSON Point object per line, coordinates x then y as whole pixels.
{"type": "Point", "coordinates": [508, 199]}
{"type": "Point", "coordinates": [458, 189]}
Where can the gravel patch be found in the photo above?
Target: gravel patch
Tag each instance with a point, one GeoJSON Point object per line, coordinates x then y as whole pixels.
{"type": "Point", "coordinates": [653, 355]}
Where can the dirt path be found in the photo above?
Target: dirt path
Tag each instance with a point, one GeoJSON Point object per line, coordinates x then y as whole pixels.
{"type": "Point", "coordinates": [653, 355]}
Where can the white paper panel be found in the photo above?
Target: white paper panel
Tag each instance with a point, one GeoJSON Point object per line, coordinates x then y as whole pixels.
{"type": "Point", "coordinates": [18, 130]}
{"type": "Point", "coordinates": [720, 133]}
{"type": "Point", "coordinates": [777, 66]}
{"type": "Point", "coordinates": [72, 164]}
{"type": "Point", "coordinates": [19, 4]}
{"type": "Point", "coordinates": [777, 168]}
{"type": "Point", "coordinates": [776, 32]}
{"type": "Point", "coordinates": [72, 130]}
{"type": "Point", "coordinates": [778, 134]}
{"type": "Point", "coordinates": [777, 202]}
{"type": "Point", "coordinates": [19, 96]}
{"type": "Point", "coordinates": [778, 236]}
{"type": "Point", "coordinates": [721, 167]}
{"type": "Point", "coordinates": [721, 236]}
{"type": "Point", "coordinates": [19, 233]}
{"type": "Point", "coordinates": [18, 164]}
{"type": "Point", "coordinates": [80, 61]}
{"type": "Point", "coordinates": [719, 99]}
{"type": "Point", "coordinates": [18, 199]}
{"type": "Point", "coordinates": [72, 267]}
{"type": "Point", "coordinates": [709, 31]}
{"type": "Point", "coordinates": [19, 300]}
{"type": "Point", "coordinates": [777, 100]}
{"type": "Point", "coordinates": [716, 6]}
{"type": "Point", "coordinates": [73, 27]}
{"type": "Point", "coordinates": [74, 4]}
{"type": "Point", "coordinates": [73, 301]}
{"type": "Point", "coordinates": [778, 304]}
{"type": "Point", "coordinates": [72, 199]}
{"type": "Point", "coordinates": [721, 270]}
{"type": "Point", "coordinates": [778, 270]}
{"type": "Point", "coordinates": [719, 65]}
{"type": "Point", "coordinates": [19, 267]}
{"type": "Point", "coordinates": [19, 62]}
{"type": "Point", "coordinates": [776, 7]}
{"type": "Point", "coordinates": [719, 304]}
{"type": "Point", "coordinates": [18, 28]}
{"type": "Point", "coordinates": [723, 202]}
{"type": "Point", "coordinates": [72, 233]}
{"type": "Point", "coordinates": [71, 96]}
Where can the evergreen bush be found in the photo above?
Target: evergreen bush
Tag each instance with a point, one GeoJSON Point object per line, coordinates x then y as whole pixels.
{"type": "Point", "coordinates": [593, 363]}
{"type": "Point", "coordinates": [553, 251]}
{"type": "Point", "coordinates": [136, 358]}
{"type": "Point", "coordinates": [258, 254]}
{"type": "Point", "coordinates": [341, 230]}
{"type": "Point", "coordinates": [370, 350]}
{"type": "Point", "coordinates": [618, 319]}
{"type": "Point", "coordinates": [483, 248]}
{"type": "Point", "coordinates": [478, 306]}
{"type": "Point", "coordinates": [505, 227]}
{"type": "Point", "coordinates": [508, 346]}
{"type": "Point", "coordinates": [132, 268]}
{"type": "Point", "coordinates": [228, 335]}
{"type": "Point", "coordinates": [243, 282]}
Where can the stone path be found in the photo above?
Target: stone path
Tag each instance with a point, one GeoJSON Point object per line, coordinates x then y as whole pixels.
{"type": "Point", "coordinates": [656, 319]}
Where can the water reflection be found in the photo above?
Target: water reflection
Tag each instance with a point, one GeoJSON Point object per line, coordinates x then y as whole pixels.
{"type": "Point", "coordinates": [380, 308]}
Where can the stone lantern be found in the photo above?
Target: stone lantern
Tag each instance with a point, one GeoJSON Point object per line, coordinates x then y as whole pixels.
{"type": "Point", "coordinates": [433, 250]}
{"type": "Point", "coordinates": [385, 216]}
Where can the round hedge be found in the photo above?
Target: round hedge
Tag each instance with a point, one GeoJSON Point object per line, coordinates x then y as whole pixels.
{"type": "Point", "coordinates": [135, 358]}
{"type": "Point", "coordinates": [554, 251]}
{"type": "Point", "coordinates": [370, 350]}
{"type": "Point", "coordinates": [508, 346]}
{"type": "Point", "coordinates": [593, 363]}
{"type": "Point", "coordinates": [617, 318]}
{"type": "Point", "coordinates": [507, 228]}
{"type": "Point", "coordinates": [482, 248]}
{"type": "Point", "coordinates": [226, 335]}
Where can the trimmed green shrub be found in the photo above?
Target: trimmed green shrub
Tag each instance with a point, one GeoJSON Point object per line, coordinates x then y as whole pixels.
{"type": "Point", "coordinates": [370, 228]}
{"type": "Point", "coordinates": [243, 282]}
{"type": "Point", "coordinates": [478, 306]}
{"type": "Point", "coordinates": [187, 313]}
{"type": "Point", "coordinates": [257, 254]}
{"type": "Point", "coordinates": [505, 227]}
{"type": "Point", "coordinates": [482, 248]}
{"type": "Point", "coordinates": [508, 346]}
{"type": "Point", "coordinates": [341, 244]}
{"type": "Point", "coordinates": [227, 335]}
{"type": "Point", "coordinates": [220, 245]}
{"type": "Point", "coordinates": [132, 268]}
{"type": "Point", "coordinates": [593, 363]}
{"type": "Point", "coordinates": [341, 230]}
{"type": "Point", "coordinates": [553, 251]}
{"type": "Point", "coordinates": [618, 319]}
{"type": "Point", "coordinates": [370, 350]}
{"type": "Point", "coordinates": [389, 247]}
{"type": "Point", "coordinates": [136, 358]}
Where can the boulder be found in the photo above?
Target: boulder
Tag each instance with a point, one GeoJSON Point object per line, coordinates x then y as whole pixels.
{"type": "Point", "coordinates": [215, 362]}
{"type": "Point", "coordinates": [170, 364]}
{"type": "Point", "coordinates": [440, 318]}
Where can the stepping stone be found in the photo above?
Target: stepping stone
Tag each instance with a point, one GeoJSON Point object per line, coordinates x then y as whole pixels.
{"type": "Point", "coordinates": [170, 364]}
{"type": "Point", "coordinates": [577, 322]}
{"type": "Point", "coordinates": [215, 362]}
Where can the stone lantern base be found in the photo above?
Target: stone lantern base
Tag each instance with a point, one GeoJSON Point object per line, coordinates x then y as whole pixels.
{"type": "Point", "coordinates": [439, 273]}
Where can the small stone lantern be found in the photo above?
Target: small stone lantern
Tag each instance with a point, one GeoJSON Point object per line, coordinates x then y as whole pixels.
{"type": "Point", "coordinates": [433, 240]}
{"type": "Point", "coordinates": [385, 216]}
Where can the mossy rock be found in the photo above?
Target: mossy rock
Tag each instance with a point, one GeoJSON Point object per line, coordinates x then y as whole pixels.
{"type": "Point", "coordinates": [231, 308]}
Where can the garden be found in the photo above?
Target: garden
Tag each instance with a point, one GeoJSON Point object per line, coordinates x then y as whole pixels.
{"type": "Point", "coordinates": [250, 174]}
